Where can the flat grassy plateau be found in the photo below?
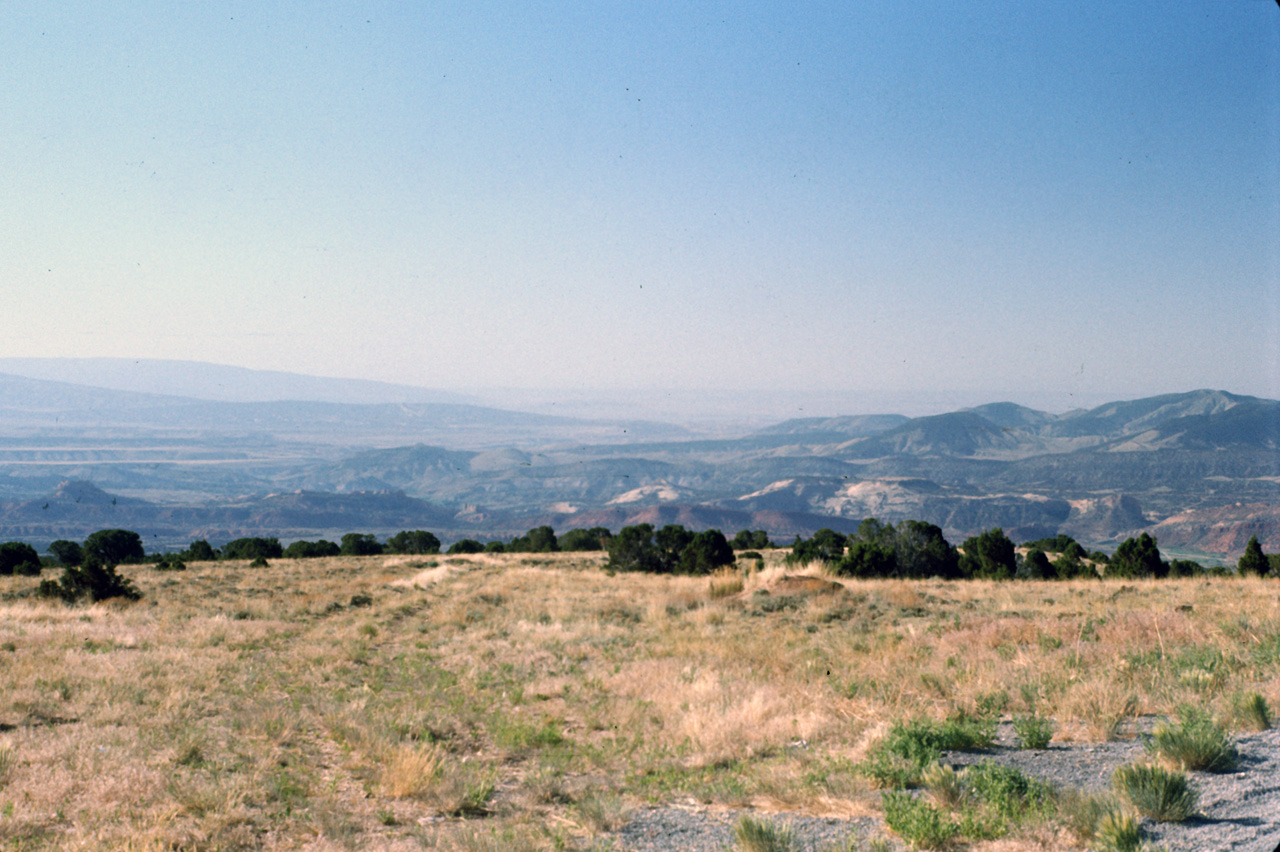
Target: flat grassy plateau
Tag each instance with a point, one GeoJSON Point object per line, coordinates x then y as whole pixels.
{"type": "Point", "coordinates": [533, 701]}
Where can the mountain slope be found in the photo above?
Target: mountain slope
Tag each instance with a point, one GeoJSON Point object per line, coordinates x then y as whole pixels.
{"type": "Point", "coordinates": [217, 382]}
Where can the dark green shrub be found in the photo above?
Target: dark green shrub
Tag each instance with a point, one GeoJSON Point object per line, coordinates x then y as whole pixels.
{"type": "Point", "coordinates": [495, 546]}
{"type": "Point", "coordinates": [253, 548]}
{"type": "Point", "coordinates": [912, 549]}
{"type": "Point", "coordinates": [990, 555]}
{"type": "Point", "coordinates": [466, 545]}
{"type": "Point", "coordinates": [170, 562]}
{"type": "Point", "coordinates": [114, 546]}
{"type": "Point", "coordinates": [1254, 562]}
{"type": "Point", "coordinates": [92, 580]}
{"type": "Point", "coordinates": [17, 557]}
{"type": "Point", "coordinates": [201, 551]}
{"type": "Point", "coordinates": [537, 540]}
{"type": "Point", "coordinates": [413, 542]}
{"type": "Point", "coordinates": [67, 552]}
{"type": "Point", "coordinates": [671, 541]}
{"type": "Point", "coordinates": [585, 540]}
{"type": "Point", "coordinates": [1035, 566]}
{"type": "Point", "coordinates": [633, 549]}
{"type": "Point", "coordinates": [868, 559]}
{"type": "Point", "coordinates": [1137, 557]}
{"type": "Point", "coordinates": [827, 546]}
{"type": "Point", "coordinates": [311, 549]}
{"type": "Point", "coordinates": [259, 562]}
{"type": "Point", "coordinates": [1061, 543]}
{"type": "Point", "coordinates": [360, 544]}
{"type": "Point", "coordinates": [751, 540]}
{"type": "Point", "coordinates": [705, 552]}
{"type": "Point", "coordinates": [1185, 568]}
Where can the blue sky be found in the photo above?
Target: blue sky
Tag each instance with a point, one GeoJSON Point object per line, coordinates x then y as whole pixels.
{"type": "Point", "coordinates": [1044, 202]}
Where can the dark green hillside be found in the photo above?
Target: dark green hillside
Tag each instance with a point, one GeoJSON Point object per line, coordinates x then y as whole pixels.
{"type": "Point", "coordinates": [1254, 424]}
{"type": "Point", "coordinates": [1115, 419]}
{"type": "Point", "coordinates": [1010, 415]}
{"type": "Point", "coordinates": [961, 433]}
{"type": "Point", "coordinates": [839, 428]}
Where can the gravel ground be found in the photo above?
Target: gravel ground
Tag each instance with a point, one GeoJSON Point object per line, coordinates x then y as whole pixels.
{"type": "Point", "coordinates": [1240, 810]}
{"type": "Point", "coordinates": [677, 829]}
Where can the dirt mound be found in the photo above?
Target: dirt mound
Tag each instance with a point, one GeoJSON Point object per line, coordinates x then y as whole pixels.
{"type": "Point", "coordinates": [794, 584]}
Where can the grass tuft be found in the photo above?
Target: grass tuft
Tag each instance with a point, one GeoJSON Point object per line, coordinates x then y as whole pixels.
{"type": "Point", "coordinates": [1250, 711]}
{"type": "Point", "coordinates": [1083, 813]}
{"type": "Point", "coordinates": [945, 786]}
{"type": "Point", "coordinates": [410, 771]}
{"type": "Point", "coordinates": [1196, 742]}
{"type": "Point", "coordinates": [1156, 792]}
{"type": "Point", "coordinates": [754, 835]}
{"type": "Point", "coordinates": [1118, 832]}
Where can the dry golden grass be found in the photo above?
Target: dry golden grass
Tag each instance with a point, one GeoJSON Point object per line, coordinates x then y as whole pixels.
{"type": "Point", "coordinates": [531, 701]}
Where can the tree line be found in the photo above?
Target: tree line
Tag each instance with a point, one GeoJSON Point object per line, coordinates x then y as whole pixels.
{"type": "Point", "coordinates": [916, 549]}
{"type": "Point", "coordinates": [908, 549]}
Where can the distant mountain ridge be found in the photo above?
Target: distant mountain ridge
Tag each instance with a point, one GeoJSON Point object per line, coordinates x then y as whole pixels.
{"type": "Point", "coordinates": [37, 405]}
{"type": "Point", "coordinates": [1175, 464]}
{"type": "Point", "coordinates": [219, 382]}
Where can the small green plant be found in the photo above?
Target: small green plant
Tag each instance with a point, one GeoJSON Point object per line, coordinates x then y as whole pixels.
{"type": "Point", "coordinates": [1006, 791]}
{"type": "Point", "coordinates": [917, 822]}
{"type": "Point", "coordinates": [259, 562]}
{"type": "Point", "coordinates": [899, 759]}
{"type": "Point", "coordinates": [1196, 742]}
{"type": "Point", "coordinates": [995, 799]}
{"type": "Point", "coordinates": [963, 732]}
{"type": "Point", "coordinates": [1156, 792]}
{"type": "Point", "coordinates": [1250, 711]}
{"type": "Point", "coordinates": [1034, 731]}
{"type": "Point", "coordinates": [754, 835]}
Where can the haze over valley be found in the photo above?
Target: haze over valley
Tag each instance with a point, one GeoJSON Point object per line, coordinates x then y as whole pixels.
{"type": "Point", "coordinates": [1199, 469]}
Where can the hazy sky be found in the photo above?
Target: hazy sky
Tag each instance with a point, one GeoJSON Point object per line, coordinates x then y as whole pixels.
{"type": "Point", "coordinates": [1002, 198]}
